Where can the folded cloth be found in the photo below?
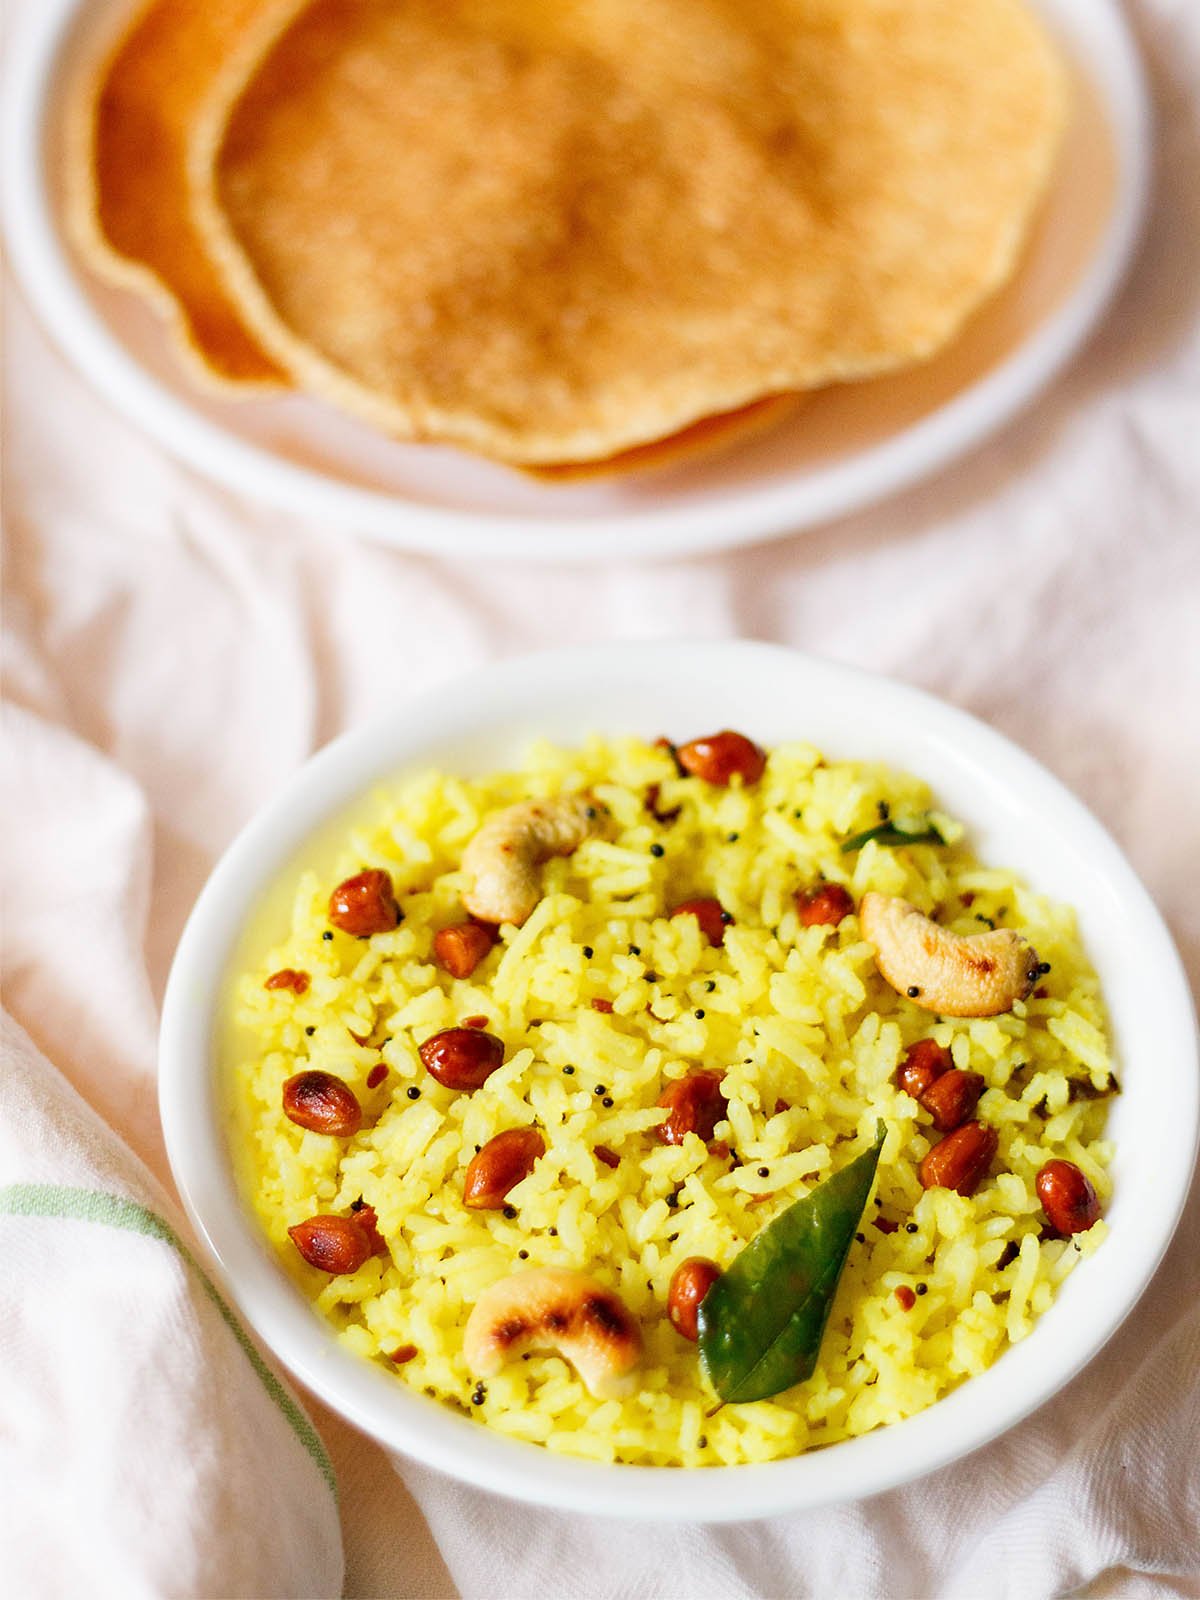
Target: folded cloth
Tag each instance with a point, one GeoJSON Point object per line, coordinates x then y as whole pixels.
{"type": "Point", "coordinates": [146, 1448]}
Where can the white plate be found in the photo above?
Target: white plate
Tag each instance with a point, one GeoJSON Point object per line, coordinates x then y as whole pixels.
{"type": "Point", "coordinates": [1019, 817]}
{"type": "Point", "coordinates": [844, 447]}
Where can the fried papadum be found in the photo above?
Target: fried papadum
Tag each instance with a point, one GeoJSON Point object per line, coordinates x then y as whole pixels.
{"type": "Point", "coordinates": [552, 233]}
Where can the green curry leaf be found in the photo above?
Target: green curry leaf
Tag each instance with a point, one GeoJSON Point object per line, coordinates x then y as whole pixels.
{"type": "Point", "coordinates": [918, 829]}
{"type": "Point", "coordinates": [761, 1323]}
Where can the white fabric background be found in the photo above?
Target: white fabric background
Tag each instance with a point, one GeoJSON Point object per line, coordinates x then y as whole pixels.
{"type": "Point", "coordinates": [172, 653]}
{"type": "Point", "coordinates": [129, 1413]}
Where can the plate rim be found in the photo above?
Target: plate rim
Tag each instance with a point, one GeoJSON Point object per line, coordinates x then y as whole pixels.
{"type": "Point", "coordinates": [744, 515]}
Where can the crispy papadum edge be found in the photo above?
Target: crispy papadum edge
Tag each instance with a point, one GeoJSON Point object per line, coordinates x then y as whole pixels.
{"type": "Point", "coordinates": [86, 233]}
{"type": "Point", "coordinates": [711, 436]}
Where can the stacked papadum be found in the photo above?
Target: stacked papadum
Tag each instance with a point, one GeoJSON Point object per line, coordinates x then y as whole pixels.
{"type": "Point", "coordinates": [557, 231]}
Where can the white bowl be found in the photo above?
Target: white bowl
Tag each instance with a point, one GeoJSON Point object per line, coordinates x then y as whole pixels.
{"type": "Point", "coordinates": [845, 447]}
{"type": "Point", "coordinates": [1019, 816]}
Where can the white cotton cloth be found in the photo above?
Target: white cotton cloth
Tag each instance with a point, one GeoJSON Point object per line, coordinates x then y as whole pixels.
{"type": "Point", "coordinates": [173, 652]}
{"type": "Point", "coordinates": [136, 1418]}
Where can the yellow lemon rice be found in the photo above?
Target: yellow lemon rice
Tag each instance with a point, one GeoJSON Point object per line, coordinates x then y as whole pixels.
{"type": "Point", "coordinates": [806, 1032]}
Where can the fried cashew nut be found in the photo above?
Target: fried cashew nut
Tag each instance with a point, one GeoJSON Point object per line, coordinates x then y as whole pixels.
{"type": "Point", "coordinates": [954, 975]}
{"type": "Point", "coordinates": [504, 857]}
{"type": "Point", "coordinates": [553, 1308]}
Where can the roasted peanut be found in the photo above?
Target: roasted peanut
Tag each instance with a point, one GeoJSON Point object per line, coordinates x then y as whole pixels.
{"type": "Point", "coordinates": [500, 1166]}
{"type": "Point", "coordinates": [1068, 1198]}
{"type": "Point", "coordinates": [690, 1282]}
{"type": "Point", "coordinates": [952, 1098]}
{"type": "Point", "coordinates": [336, 1244]}
{"type": "Point", "coordinates": [462, 947]}
{"type": "Point", "coordinates": [720, 757]}
{"type": "Point", "coordinates": [924, 1062]}
{"type": "Point", "coordinates": [322, 1103]}
{"type": "Point", "coordinates": [695, 1104]}
{"type": "Point", "coordinates": [288, 978]}
{"type": "Point", "coordinates": [610, 1158]}
{"type": "Point", "coordinates": [364, 904]}
{"type": "Point", "coordinates": [711, 916]}
{"type": "Point", "coordinates": [960, 1160]}
{"type": "Point", "coordinates": [824, 905]}
{"type": "Point", "coordinates": [462, 1058]}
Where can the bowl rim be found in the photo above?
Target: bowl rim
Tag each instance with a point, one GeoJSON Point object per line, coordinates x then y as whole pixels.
{"type": "Point", "coordinates": [430, 1432]}
{"type": "Point", "coordinates": [728, 517]}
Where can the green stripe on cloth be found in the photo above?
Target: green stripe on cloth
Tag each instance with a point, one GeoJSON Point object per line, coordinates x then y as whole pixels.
{"type": "Point", "coordinates": [116, 1211]}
